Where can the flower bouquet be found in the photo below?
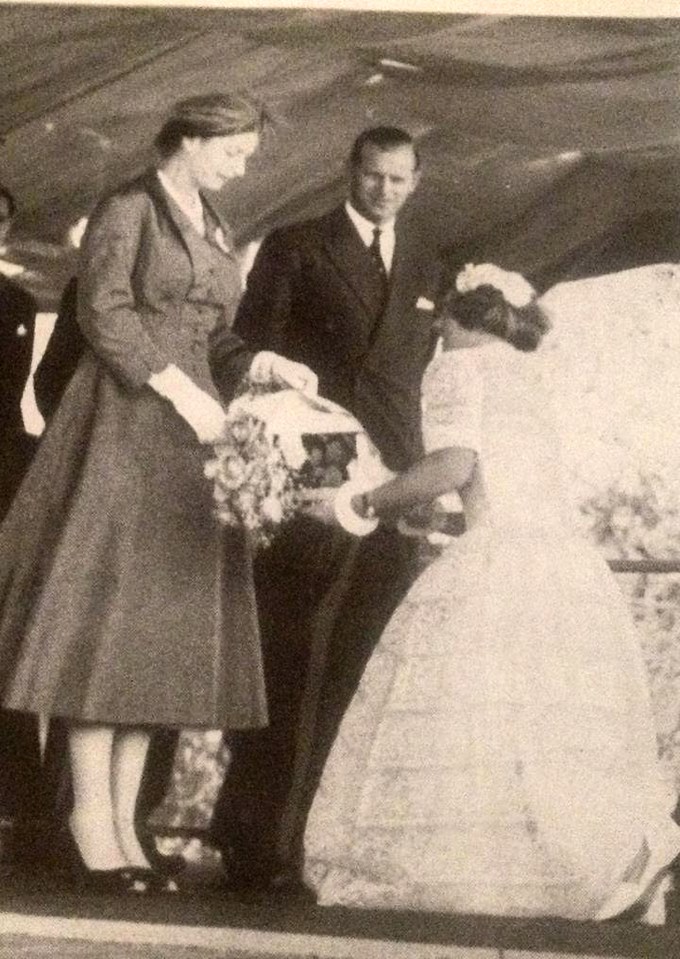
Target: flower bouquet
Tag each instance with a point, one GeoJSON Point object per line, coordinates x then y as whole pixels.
{"type": "Point", "coordinates": [253, 487]}
{"type": "Point", "coordinates": [275, 445]}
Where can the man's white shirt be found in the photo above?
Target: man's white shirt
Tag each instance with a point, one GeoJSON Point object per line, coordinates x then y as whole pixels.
{"type": "Point", "coordinates": [365, 230]}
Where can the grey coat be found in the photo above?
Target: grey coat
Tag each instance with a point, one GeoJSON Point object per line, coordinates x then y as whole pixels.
{"type": "Point", "coordinates": [123, 602]}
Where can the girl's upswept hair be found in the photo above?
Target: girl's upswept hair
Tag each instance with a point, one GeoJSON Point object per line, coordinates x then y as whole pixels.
{"type": "Point", "coordinates": [485, 309]}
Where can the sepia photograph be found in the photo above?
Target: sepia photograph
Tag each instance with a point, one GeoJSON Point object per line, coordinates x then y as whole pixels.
{"type": "Point", "coordinates": [339, 480]}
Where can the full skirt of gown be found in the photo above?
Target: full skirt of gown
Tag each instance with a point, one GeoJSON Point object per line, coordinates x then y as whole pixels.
{"type": "Point", "coordinates": [499, 755]}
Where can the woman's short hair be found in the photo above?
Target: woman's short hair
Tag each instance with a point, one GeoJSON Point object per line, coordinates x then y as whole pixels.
{"type": "Point", "coordinates": [209, 115]}
{"type": "Point", "coordinates": [485, 309]}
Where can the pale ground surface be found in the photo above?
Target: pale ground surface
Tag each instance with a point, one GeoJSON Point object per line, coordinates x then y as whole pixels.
{"type": "Point", "coordinates": [23, 947]}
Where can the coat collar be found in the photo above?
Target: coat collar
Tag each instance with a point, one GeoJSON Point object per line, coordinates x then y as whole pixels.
{"type": "Point", "coordinates": [178, 219]}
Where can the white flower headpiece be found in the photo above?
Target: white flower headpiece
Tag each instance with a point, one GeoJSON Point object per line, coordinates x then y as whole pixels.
{"type": "Point", "coordinates": [516, 291]}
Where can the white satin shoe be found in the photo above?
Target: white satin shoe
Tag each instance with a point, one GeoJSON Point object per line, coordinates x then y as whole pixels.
{"type": "Point", "coordinates": [645, 898]}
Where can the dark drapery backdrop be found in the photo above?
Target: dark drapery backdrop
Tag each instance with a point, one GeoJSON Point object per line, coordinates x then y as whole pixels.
{"type": "Point", "coordinates": [556, 140]}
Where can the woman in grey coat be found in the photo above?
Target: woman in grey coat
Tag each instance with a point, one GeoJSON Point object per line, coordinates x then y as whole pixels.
{"type": "Point", "coordinates": [123, 606]}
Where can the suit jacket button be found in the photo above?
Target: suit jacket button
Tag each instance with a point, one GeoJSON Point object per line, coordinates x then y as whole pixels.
{"type": "Point", "coordinates": [21, 330]}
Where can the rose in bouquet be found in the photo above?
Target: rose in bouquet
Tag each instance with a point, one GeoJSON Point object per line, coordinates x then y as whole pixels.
{"type": "Point", "coordinates": [253, 486]}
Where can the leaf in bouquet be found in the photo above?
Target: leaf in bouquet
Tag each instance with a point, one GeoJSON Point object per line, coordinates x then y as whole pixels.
{"type": "Point", "coordinates": [333, 476]}
{"type": "Point", "coordinates": [242, 430]}
{"type": "Point", "coordinates": [311, 476]}
{"type": "Point", "coordinates": [226, 515]}
{"type": "Point", "coordinates": [221, 495]}
{"type": "Point", "coordinates": [337, 453]}
{"type": "Point", "coordinates": [211, 469]}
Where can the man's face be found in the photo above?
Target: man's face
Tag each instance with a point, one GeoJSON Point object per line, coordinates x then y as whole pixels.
{"type": "Point", "coordinates": [382, 182]}
{"type": "Point", "coordinates": [5, 220]}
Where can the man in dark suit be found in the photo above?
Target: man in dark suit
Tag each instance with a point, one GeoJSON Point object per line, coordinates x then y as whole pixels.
{"type": "Point", "coordinates": [344, 295]}
{"type": "Point", "coordinates": [20, 783]}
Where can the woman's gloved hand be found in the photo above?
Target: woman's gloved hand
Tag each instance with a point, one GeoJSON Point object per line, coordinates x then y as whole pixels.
{"type": "Point", "coordinates": [199, 409]}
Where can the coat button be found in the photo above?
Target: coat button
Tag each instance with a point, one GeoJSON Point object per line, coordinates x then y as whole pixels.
{"type": "Point", "coordinates": [21, 330]}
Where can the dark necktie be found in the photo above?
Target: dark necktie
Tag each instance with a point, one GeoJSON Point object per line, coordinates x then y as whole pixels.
{"type": "Point", "coordinates": [376, 256]}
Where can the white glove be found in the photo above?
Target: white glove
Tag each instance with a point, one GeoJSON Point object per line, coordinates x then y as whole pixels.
{"type": "Point", "coordinates": [268, 367]}
{"type": "Point", "coordinates": [204, 414]}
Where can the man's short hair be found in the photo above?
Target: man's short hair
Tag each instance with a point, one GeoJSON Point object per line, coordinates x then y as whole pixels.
{"type": "Point", "coordinates": [384, 138]}
{"type": "Point", "coordinates": [9, 199]}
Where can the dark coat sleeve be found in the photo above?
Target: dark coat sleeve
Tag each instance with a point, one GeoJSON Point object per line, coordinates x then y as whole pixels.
{"type": "Point", "coordinates": [17, 326]}
{"type": "Point", "coordinates": [61, 356]}
{"type": "Point", "coordinates": [18, 310]}
{"type": "Point", "coordinates": [265, 311]}
{"type": "Point", "coordinates": [261, 318]}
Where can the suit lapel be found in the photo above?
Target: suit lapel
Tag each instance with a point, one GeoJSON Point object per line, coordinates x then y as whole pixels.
{"type": "Point", "coordinates": [347, 253]}
{"type": "Point", "coordinates": [407, 280]}
{"type": "Point", "coordinates": [402, 274]}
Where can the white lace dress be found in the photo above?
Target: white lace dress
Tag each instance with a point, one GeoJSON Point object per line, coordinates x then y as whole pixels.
{"type": "Point", "coordinates": [499, 756]}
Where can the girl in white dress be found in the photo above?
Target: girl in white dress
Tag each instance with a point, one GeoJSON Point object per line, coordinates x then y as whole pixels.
{"type": "Point", "coordinates": [500, 755]}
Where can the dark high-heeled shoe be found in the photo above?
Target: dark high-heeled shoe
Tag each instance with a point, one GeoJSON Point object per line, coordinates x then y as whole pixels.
{"type": "Point", "coordinates": [73, 871]}
{"type": "Point", "coordinates": [155, 880]}
{"type": "Point", "coordinates": [171, 865]}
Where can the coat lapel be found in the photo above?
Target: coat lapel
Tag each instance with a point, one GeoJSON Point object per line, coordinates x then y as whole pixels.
{"type": "Point", "coordinates": [180, 222]}
{"type": "Point", "coordinates": [226, 242]}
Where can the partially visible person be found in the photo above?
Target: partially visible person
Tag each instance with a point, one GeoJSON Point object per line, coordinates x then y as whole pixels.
{"type": "Point", "coordinates": [66, 342]}
{"type": "Point", "coordinates": [500, 754]}
{"type": "Point", "coordinates": [125, 608]}
{"type": "Point", "coordinates": [62, 354]}
{"type": "Point", "coordinates": [20, 795]}
{"type": "Point", "coordinates": [18, 310]}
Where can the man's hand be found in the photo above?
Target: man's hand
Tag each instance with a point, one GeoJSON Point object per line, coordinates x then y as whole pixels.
{"type": "Point", "coordinates": [295, 375]}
